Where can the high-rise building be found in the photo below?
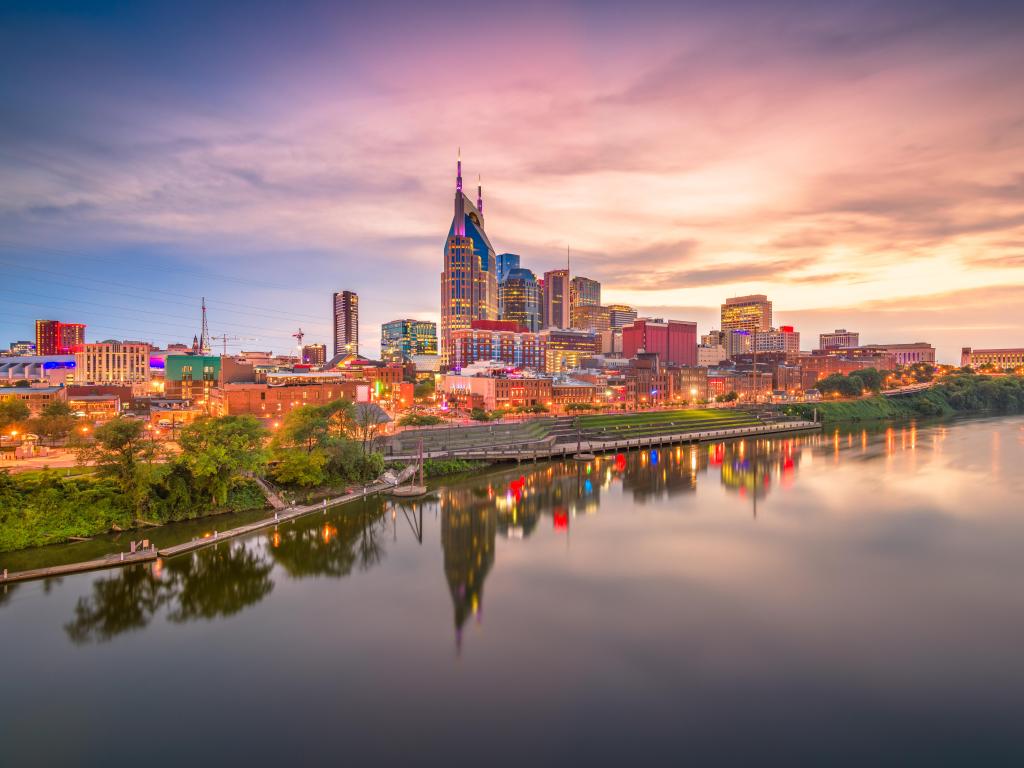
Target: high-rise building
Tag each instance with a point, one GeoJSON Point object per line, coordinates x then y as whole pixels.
{"type": "Point", "coordinates": [56, 338]}
{"type": "Point", "coordinates": [519, 298]}
{"type": "Point", "coordinates": [840, 337]}
{"type": "Point", "coordinates": [469, 280]}
{"type": "Point", "coordinates": [674, 341]}
{"type": "Point", "coordinates": [401, 339]}
{"type": "Point", "coordinates": [747, 313]}
{"type": "Point", "coordinates": [506, 263]}
{"type": "Point", "coordinates": [314, 354]}
{"type": "Point", "coordinates": [621, 315]}
{"type": "Point", "coordinates": [112, 362]}
{"type": "Point", "coordinates": [583, 292]}
{"type": "Point", "coordinates": [557, 299]}
{"type": "Point", "coordinates": [346, 323]}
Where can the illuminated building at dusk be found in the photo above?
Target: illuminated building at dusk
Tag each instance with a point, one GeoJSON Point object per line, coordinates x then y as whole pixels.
{"type": "Point", "coordinates": [592, 317]}
{"type": "Point", "coordinates": [499, 341]}
{"type": "Point", "coordinates": [112, 362]}
{"type": "Point", "coordinates": [469, 279]}
{"type": "Point", "coordinates": [401, 340]}
{"type": "Point", "coordinates": [621, 315]}
{"type": "Point", "coordinates": [583, 292]}
{"type": "Point", "coordinates": [557, 299]}
{"type": "Point", "coordinates": [519, 298]}
{"type": "Point", "coordinates": [56, 338]}
{"type": "Point", "coordinates": [840, 337]}
{"type": "Point", "coordinates": [565, 348]}
{"type": "Point", "coordinates": [1000, 359]}
{"type": "Point", "coordinates": [782, 339]}
{"type": "Point", "coordinates": [747, 313]}
{"type": "Point", "coordinates": [506, 263]}
{"type": "Point", "coordinates": [314, 354]}
{"type": "Point", "coordinates": [346, 323]}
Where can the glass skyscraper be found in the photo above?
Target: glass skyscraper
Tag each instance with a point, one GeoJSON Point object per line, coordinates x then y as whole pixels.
{"type": "Point", "coordinates": [519, 298]}
{"type": "Point", "coordinates": [469, 280]}
{"type": "Point", "coordinates": [506, 263]}
{"type": "Point", "coordinates": [401, 339]}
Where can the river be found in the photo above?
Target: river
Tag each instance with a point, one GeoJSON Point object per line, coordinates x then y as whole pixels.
{"type": "Point", "coordinates": [851, 597]}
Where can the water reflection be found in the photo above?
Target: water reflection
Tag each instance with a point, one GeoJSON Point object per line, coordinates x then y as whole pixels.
{"type": "Point", "coordinates": [334, 546]}
{"type": "Point", "coordinates": [209, 584]}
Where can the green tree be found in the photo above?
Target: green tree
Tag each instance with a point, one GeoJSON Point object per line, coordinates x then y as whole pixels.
{"type": "Point", "coordinates": [302, 468]}
{"type": "Point", "coordinates": [12, 413]}
{"type": "Point", "coordinates": [55, 422]}
{"type": "Point", "coordinates": [120, 450]}
{"type": "Point", "coordinates": [868, 378]}
{"type": "Point", "coordinates": [424, 389]}
{"type": "Point", "coordinates": [216, 450]}
{"type": "Point", "coordinates": [729, 397]}
{"type": "Point", "coordinates": [366, 422]}
{"type": "Point", "coordinates": [306, 427]}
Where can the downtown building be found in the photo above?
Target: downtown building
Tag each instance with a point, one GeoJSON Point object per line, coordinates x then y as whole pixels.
{"type": "Point", "coordinates": [557, 299]}
{"type": "Point", "coordinates": [469, 279]}
{"type": "Point", "coordinates": [519, 298]}
{"type": "Point", "coordinates": [583, 292]}
{"type": "Point", "coordinates": [1000, 359]}
{"type": "Point", "coordinates": [314, 354]}
{"type": "Point", "coordinates": [674, 341]}
{"type": "Point", "coordinates": [840, 338]}
{"type": "Point", "coordinates": [401, 340]}
{"type": "Point", "coordinates": [498, 341]}
{"type": "Point", "coordinates": [56, 338]}
{"type": "Point", "coordinates": [345, 306]}
{"type": "Point", "coordinates": [113, 362]}
{"type": "Point", "coordinates": [747, 313]}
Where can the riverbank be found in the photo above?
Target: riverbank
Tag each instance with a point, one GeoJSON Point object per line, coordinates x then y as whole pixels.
{"type": "Point", "coordinates": [961, 394]}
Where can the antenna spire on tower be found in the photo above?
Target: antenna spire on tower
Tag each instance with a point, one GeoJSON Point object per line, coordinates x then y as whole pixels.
{"type": "Point", "coordinates": [458, 172]}
{"type": "Point", "coordinates": [204, 334]}
{"type": "Point", "coordinates": [479, 195]}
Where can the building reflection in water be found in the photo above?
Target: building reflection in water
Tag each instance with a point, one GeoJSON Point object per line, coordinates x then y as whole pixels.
{"type": "Point", "coordinates": [353, 539]}
{"type": "Point", "coordinates": [469, 525]}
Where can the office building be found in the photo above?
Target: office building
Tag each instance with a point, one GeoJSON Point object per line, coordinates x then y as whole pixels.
{"type": "Point", "coordinates": [565, 349]}
{"type": "Point", "coordinates": [191, 377]}
{"type": "Point", "coordinates": [674, 341]}
{"type": "Point", "coordinates": [346, 323]}
{"type": "Point", "coordinates": [557, 299]}
{"type": "Point", "coordinates": [506, 263]}
{"type": "Point", "coordinates": [314, 354]}
{"type": "Point", "coordinates": [469, 279]}
{"type": "Point", "coordinates": [781, 339]}
{"type": "Point", "coordinates": [21, 349]}
{"type": "Point", "coordinates": [400, 340]}
{"type": "Point", "coordinates": [621, 315]}
{"type": "Point", "coordinates": [592, 317]}
{"type": "Point", "coordinates": [840, 337]}
{"type": "Point", "coordinates": [747, 313]}
{"type": "Point", "coordinates": [583, 292]}
{"type": "Point", "coordinates": [497, 341]}
{"type": "Point", "coordinates": [1000, 359]}
{"type": "Point", "coordinates": [112, 362]}
{"type": "Point", "coordinates": [519, 298]}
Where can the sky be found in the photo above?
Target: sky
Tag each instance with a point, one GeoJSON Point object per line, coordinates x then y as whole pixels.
{"type": "Point", "coordinates": [862, 164]}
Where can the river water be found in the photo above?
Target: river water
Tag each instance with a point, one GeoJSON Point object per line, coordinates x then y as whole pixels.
{"type": "Point", "coordinates": [852, 597]}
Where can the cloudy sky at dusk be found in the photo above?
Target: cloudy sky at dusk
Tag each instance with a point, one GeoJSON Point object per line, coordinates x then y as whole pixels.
{"type": "Point", "coordinates": [861, 163]}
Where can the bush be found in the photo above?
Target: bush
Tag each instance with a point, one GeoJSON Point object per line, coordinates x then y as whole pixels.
{"type": "Point", "coordinates": [419, 420]}
{"type": "Point", "coordinates": [445, 467]}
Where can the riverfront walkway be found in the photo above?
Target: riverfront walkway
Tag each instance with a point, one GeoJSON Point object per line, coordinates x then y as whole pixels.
{"type": "Point", "coordinates": [558, 449]}
{"type": "Point", "coordinates": [152, 553]}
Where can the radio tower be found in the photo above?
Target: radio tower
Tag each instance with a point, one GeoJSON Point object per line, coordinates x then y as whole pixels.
{"type": "Point", "coordinates": [204, 335]}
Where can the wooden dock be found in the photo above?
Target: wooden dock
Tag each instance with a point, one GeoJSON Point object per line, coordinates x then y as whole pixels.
{"type": "Point", "coordinates": [115, 560]}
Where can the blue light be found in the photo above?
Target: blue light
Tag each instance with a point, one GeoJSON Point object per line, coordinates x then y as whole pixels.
{"type": "Point", "coordinates": [654, 457]}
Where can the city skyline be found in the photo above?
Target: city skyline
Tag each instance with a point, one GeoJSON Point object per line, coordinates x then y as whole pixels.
{"type": "Point", "coordinates": [865, 174]}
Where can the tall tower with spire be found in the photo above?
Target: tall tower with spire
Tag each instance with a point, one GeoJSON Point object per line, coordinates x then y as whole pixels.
{"type": "Point", "coordinates": [469, 281]}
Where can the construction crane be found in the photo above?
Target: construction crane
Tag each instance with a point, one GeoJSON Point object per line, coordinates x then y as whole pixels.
{"type": "Point", "coordinates": [299, 336]}
{"type": "Point", "coordinates": [225, 339]}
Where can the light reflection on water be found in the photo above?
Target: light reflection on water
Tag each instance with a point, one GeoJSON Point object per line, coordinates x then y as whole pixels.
{"type": "Point", "coordinates": [857, 587]}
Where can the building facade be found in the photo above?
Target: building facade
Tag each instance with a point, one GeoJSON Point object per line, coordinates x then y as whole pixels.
{"type": "Point", "coordinates": [469, 278]}
{"type": "Point", "coordinates": [565, 349]}
{"type": "Point", "coordinates": [840, 337]}
{"type": "Point", "coordinates": [314, 354]}
{"type": "Point", "coordinates": [621, 315]}
{"type": "Point", "coordinates": [583, 292]}
{"type": "Point", "coordinates": [519, 298]}
{"type": "Point", "coordinates": [781, 339]}
{"type": "Point", "coordinates": [191, 377]}
{"type": "Point", "coordinates": [557, 299]}
{"type": "Point", "coordinates": [498, 341]}
{"type": "Point", "coordinates": [1000, 359]}
{"type": "Point", "coordinates": [747, 313]}
{"type": "Point", "coordinates": [113, 362]}
{"type": "Point", "coordinates": [506, 263]}
{"type": "Point", "coordinates": [346, 323]}
{"type": "Point", "coordinates": [592, 317]}
{"type": "Point", "coordinates": [56, 338]}
{"type": "Point", "coordinates": [401, 340]}
{"type": "Point", "coordinates": [674, 341]}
